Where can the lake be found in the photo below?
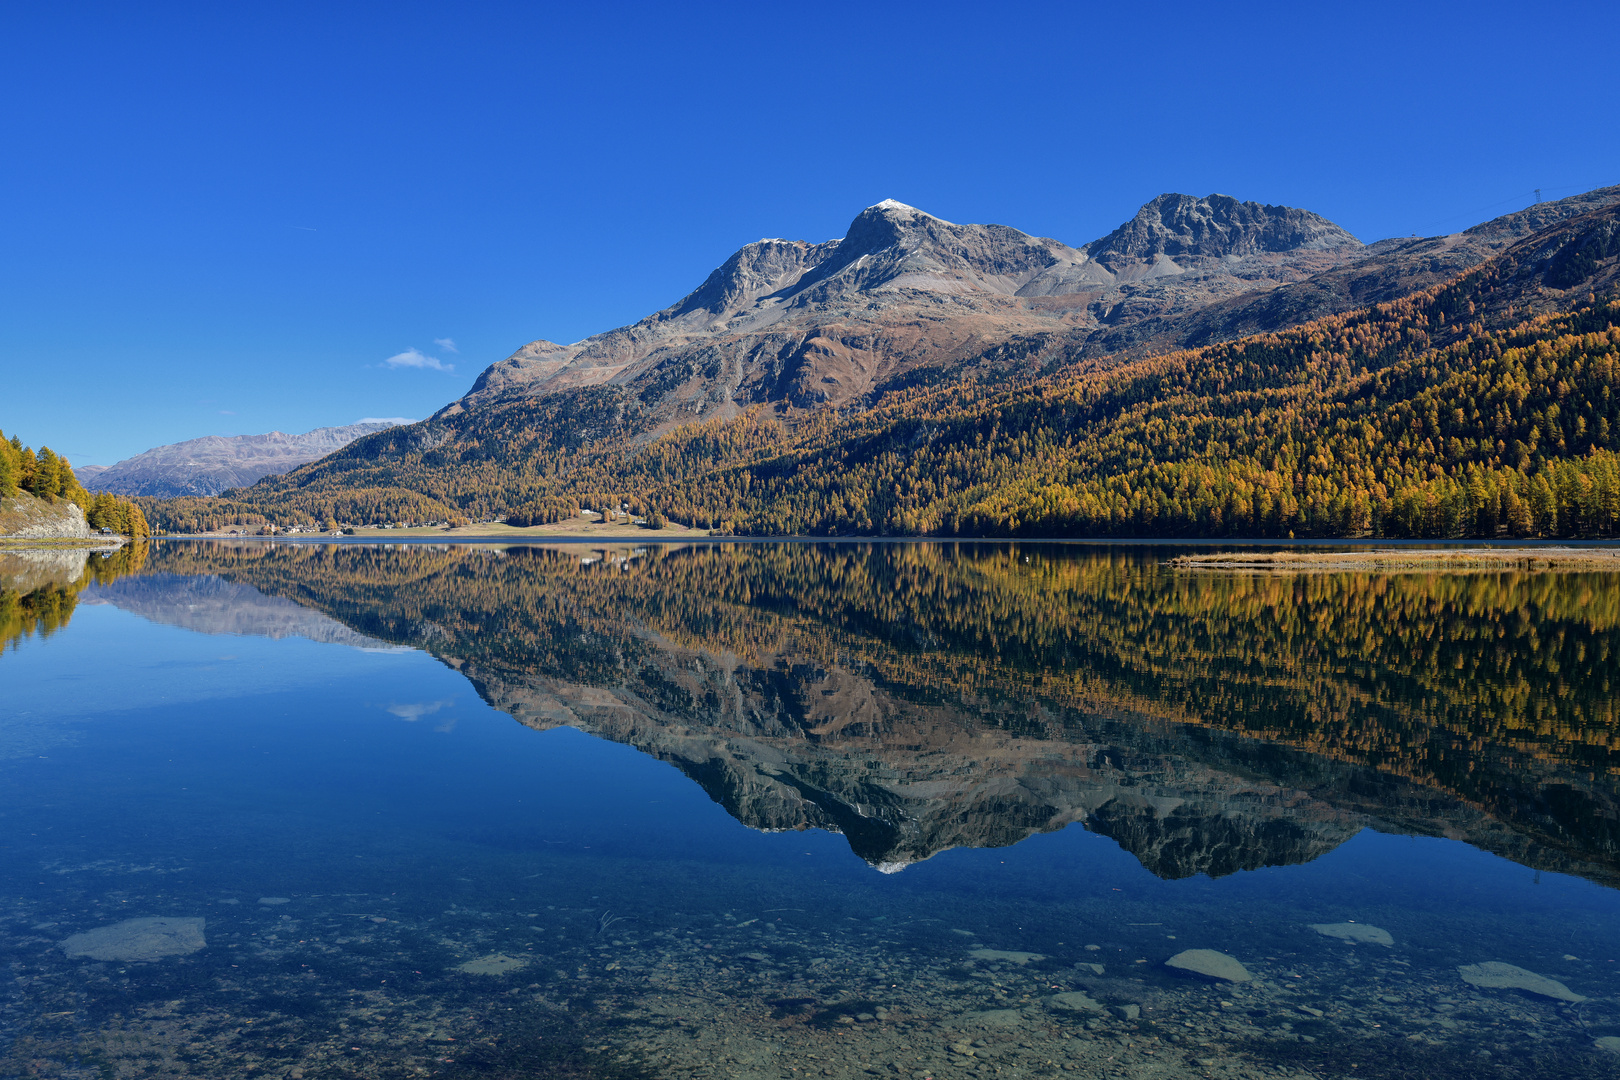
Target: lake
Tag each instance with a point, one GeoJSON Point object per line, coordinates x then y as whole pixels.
{"type": "Point", "coordinates": [802, 810]}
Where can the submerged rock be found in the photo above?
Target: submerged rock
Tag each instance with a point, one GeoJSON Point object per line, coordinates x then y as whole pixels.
{"type": "Point", "coordinates": [1010, 955]}
{"type": "Point", "coordinates": [1209, 963]}
{"type": "Point", "coordinates": [1074, 1001]}
{"type": "Point", "coordinates": [138, 939]}
{"type": "Point", "coordinates": [1611, 1043]}
{"type": "Point", "coordinates": [494, 964]}
{"type": "Point", "coordinates": [995, 1017]}
{"type": "Point", "coordinates": [1354, 931]}
{"type": "Point", "coordinates": [1495, 975]}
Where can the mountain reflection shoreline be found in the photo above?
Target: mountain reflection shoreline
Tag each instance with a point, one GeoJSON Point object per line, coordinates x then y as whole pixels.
{"type": "Point", "coordinates": [916, 698]}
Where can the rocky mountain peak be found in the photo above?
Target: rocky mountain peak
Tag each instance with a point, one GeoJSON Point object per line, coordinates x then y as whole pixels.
{"type": "Point", "coordinates": [1216, 226]}
{"type": "Point", "coordinates": [838, 322]}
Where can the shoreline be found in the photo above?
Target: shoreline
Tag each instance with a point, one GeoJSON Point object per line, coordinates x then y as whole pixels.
{"type": "Point", "coordinates": [1476, 558]}
{"type": "Point", "coordinates": [93, 543]}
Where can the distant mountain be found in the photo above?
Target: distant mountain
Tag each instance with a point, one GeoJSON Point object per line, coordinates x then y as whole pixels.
{"type": "Point", "coordinates": [216, 463]}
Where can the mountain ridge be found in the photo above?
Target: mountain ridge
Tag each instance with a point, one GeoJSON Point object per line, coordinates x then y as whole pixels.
{"type": "Point", "coordinates": [804, 325]}
{"type": "Point", "coordinates": [214, 463]}
{"type": "Point", "coordinates": [995, 424]}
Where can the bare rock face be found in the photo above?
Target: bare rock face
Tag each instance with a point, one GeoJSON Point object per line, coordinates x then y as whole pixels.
{"type": "Point", "coordinates": [138, 940]}
{"type": "Point", "coordinates": [904, 292]}
{"type": "Point", "coordinates": [216, 463]}
{"type": "Point", "coordinates": [1215, 227]}
{"type": "Point", "coordinates": [1563, 240]}
{"type": "Point", "coordinates": [905, 297]}
{"type": "Point", "coordinates": [23, 517]}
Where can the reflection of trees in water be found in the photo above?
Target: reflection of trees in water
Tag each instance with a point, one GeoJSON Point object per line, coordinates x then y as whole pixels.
{"type": "Point", "coordinates": [33, 606]}
{"type": "Point", "coordinates": [1493, 687]}
{"type": "Point", "coordinates": [1361, 663]}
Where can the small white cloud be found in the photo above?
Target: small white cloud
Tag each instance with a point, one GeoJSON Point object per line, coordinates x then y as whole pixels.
{"type": "Point", "coordinates": [447, 344]}
{"type": "Point", "coordinates": [411, 713]}
{"type": "Point", "coordinates": [412, 358]}
{"type": "Point", "coordinates": [386, 420]}
{"type": "Point", "coordinates": [227, 412]}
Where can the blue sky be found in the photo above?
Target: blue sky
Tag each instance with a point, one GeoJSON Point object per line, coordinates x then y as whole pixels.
{"type": "Point", "coordinates": [227, 218]}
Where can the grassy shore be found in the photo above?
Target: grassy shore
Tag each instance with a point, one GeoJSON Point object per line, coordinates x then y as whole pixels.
{"type": "Point", "coordinates": [1528, 558]}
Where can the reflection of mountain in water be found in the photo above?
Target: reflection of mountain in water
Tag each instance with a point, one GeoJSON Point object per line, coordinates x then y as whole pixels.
{"type": "Point", "coordinates": [212, 605]}
{"type": "Point", "coordinates": [916, 698]}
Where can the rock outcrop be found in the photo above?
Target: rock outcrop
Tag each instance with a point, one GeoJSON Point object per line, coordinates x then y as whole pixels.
{"type": "Point", "coordinates": [23, 517]}
{"type": "Point", "coordinates": [1181, 227]}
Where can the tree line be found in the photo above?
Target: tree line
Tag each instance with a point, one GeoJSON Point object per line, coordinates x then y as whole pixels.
{"type": "Point", "coordinates": [48, 476]}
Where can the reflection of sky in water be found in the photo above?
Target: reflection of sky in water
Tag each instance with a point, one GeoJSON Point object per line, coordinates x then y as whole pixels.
{"type": "Point", "coordinates": [209, 772]}
{"type": "Point", "coordinates": [143, 664]}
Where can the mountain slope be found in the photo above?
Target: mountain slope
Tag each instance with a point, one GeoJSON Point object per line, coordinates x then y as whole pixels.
{"type": "Point", "coordinates": [216, 463]}
{"type": "Point", "coordinates": [1444, 414]}
{"type": "Point", "coordinates": [1385, 271]}
{"type": "Point", "coordinates": [904, 296]}
{"type": "Point", "coordinates": [998, 455]}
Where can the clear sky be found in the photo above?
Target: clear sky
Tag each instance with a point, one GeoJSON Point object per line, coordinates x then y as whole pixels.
{"type": "Point", "coordinates": [227, 218]}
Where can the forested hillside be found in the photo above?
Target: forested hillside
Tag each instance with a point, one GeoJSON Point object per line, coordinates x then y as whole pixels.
{"type": "Point", "coordinates": [1448, 413]}
{"type": "Point", "coordinates": [48, 476]}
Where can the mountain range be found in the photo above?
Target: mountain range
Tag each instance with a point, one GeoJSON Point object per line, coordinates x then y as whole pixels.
{"type": "Point", "coordinates": [216, 463]}
{"type": "Point", "coordinates": [905, 297]}
{"type": "Point", "coordinates": [911, 322]}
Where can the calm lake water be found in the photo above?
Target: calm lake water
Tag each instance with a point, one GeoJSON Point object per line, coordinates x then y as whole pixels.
{"type": "Point", "coordinates": [779, 810]}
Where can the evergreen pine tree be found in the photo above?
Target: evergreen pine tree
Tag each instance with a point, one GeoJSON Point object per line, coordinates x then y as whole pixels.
{"type": "Point", "coordinates": [46, 483]}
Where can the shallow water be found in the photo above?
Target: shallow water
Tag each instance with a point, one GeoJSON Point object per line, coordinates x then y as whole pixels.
{"type": "Point", "coordinates": [802, 810]}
